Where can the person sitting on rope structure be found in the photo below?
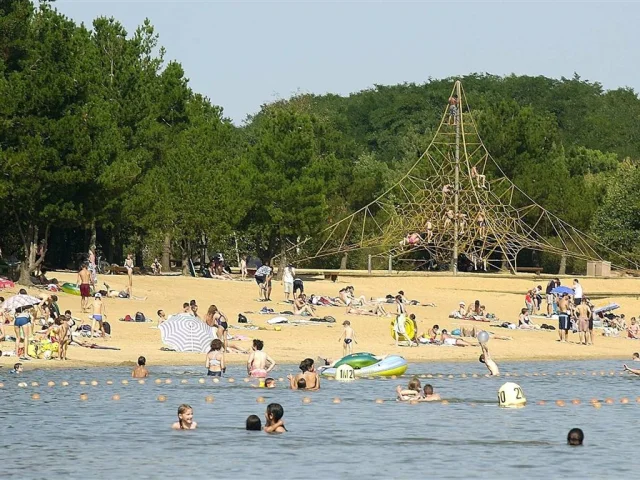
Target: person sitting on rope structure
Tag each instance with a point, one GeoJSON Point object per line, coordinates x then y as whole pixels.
{"type": "Point", "coordinates": [447, 189]}
{"type": "Point", "coordinates": [480, 179]}
{"type": "Point", "coordinates": [429, 231]}
{"type": "Point", "coordinates": [453, 109]}
{"type": "Point", "coordinates": [448, 218]}
{"type": "Point", "coordinates": [412, 240]}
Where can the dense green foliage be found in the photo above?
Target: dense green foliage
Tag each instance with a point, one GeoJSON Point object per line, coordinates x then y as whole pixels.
{"type": "Point", "coordinates": [102, 140]}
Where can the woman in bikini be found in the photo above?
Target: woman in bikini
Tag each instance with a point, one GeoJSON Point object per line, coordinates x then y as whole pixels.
{"type": "Point", "coordinates": [218, 320]}
{"type": "Point", "coordinates": [128, 264]}
{"type": "Point", "coordinates": [215, 359]}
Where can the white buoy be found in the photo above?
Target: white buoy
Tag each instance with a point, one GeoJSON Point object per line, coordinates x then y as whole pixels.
{"type": "Point", "coordinates": [511, 395]}
{"type": "Point", "coordinates": [345, 373]}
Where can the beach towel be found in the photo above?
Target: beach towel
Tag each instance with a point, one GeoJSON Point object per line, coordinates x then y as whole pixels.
{"type": "Point", "coordinates": [277, 320]}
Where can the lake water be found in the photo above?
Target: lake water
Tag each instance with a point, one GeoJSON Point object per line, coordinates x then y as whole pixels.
{"type": "Point", "coordinates": [60, 436]}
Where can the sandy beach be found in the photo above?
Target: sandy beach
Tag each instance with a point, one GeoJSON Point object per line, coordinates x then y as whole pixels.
{"type": "Point", "coordinates": [503, 296]}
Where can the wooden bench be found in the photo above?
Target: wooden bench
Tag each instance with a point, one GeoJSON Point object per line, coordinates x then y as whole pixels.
{"type": "Point", "coordinates": [118, 270]}
{"type": "Point", "coordinates": [330, 276]}
{"type": "Point", "coordinates": [536, 270]}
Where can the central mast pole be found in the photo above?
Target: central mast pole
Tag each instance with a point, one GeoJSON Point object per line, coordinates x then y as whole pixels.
{"type": "Point", "coordinates": [454, 260]}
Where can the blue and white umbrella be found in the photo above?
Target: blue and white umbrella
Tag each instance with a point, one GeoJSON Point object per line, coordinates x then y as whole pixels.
{"type": "Point", "coordinates": [606, 308]}
{"type": "Point", "coordinates": [186, 333]}
{"type": "Point", "coordinates": [562, 290]}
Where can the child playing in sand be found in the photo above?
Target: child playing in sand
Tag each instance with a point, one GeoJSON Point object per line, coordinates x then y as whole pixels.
{"type": "Point", "coordinates": [185, 418]}
{"type": "Point", "coordinates": [140, 371]}
{"type": "Point", "coordinates": [274, 415]}
{"type": "Point", "coordinates": [429, 396]}
{"type": "Point", "coordinates": [347, 338]}
{"type": "Point", "coordinates": [253, 423]}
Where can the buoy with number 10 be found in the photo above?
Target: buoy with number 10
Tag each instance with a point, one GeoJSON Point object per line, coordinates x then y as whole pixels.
{"type": "Point", "coordinates": [345, 373]}
{"type": "Point", "coordinates": [510, 395]}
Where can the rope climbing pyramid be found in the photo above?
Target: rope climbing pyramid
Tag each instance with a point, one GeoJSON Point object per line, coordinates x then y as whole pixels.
{"type": "Point", "coordinates": [455, 203]}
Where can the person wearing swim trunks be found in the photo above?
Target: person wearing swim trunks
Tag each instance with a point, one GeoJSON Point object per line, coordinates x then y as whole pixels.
{"type": "Point", "coordinates": [84, 281]}
{"type": "Point", "coordinates": [563, 318]}
{"type": "Point", "coordinates": [263, 279]}
{"type": "Point", "coordinates": [98, 315]}
{"type": "Point", "coordinates": [577, 292]}
{"type": "Point", "coordinates": [583, 313]}
{"type": "Point", "coordinates": [259, 363]}
{"type": "Point", "coordinates": [22, 327]}
{"type": "Point", "coordinates": [347, 338]}
{"type": "Point", "coordinates": [298, 286]}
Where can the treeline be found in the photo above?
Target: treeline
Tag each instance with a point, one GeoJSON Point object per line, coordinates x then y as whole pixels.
{"type": "Point", "coordinates": [103, 142]}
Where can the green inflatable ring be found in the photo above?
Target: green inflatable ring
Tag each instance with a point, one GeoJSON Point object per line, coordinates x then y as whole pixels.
{"type": "Point", "coordinates": [357, 360]}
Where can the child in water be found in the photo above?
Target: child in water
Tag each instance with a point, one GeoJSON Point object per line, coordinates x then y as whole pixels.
{"type": "Point", "coordinates": [254, 423]}
{"type": "Point", "coordinates": [17, 368]}
{"type": "Point", "coordinates": [274, 415]}
{"type": "Point", "coordinates": [185, 418]}
{"type": "Point", "coordinates": [412, 392]}
{"type": "Point", "coordinates": [141, 370]}
{"type": "Point", "coordinates": [429, 396]}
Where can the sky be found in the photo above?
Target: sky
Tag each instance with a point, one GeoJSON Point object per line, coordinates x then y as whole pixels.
{"type": "Point", "coordinates": [243, 54]}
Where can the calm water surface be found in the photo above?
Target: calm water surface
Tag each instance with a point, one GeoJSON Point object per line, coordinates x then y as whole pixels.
{"type": "Point", "coordinates": [59, 435]}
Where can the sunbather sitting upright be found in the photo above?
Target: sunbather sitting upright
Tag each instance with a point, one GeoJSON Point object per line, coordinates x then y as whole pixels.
{"type": "Point", "coordinates": [300, 306]}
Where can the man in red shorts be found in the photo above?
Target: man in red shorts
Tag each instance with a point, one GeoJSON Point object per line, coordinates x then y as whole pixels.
{"type": "Point", "coordinates": [84, 281]}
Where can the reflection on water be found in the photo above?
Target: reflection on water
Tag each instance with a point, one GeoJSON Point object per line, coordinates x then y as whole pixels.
{"type": "Point", "coordinates": [470, 437]}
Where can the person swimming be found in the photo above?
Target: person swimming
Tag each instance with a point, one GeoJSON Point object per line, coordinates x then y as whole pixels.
{"type": "Point", "coordinates": [301, 384]}
{"type": "Point", "coordinates": [141, 370]}
{"type": "Point", "coordinates": [429, 396]}
{"type": "Point", "coordinates": [185, 418]}
{"type": "Point", "coordinates": [274, 415]}
{"type": "Point", "coordinates": [575, 437]}
{"type": "Point", "coordinates": [412, 392]}
{"type": "Point", "coordinates": [259, 363]}
{"type": "Point", "coordinates": [253, 423]}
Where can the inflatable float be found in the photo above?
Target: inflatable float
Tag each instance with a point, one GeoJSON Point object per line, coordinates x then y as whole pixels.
{"type": "Point", "coordinates": [409, 328]}
{"type": "Point", "coordinates": [72, 289]}
{"type": "Point", "coordinates": [368, 365]}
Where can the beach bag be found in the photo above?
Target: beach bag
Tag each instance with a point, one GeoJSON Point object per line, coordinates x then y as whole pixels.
{"type": "Point", "coordinates": [242, 318]}
{"type": "Point", "coordinates": [140, 317]}
{"type": "Point", "coordinates": [107, 327]}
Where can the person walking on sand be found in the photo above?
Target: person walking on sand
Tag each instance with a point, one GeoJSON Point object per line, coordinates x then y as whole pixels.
{"type": "Point", "coordinates": [488, 361]}
{"type": "Point", "coordinates": [577, 292]}
{"type": "Point", "coordinates": [99, 315]}
{"type": "Point", "coordinates": [84, 283]}
{"type": "Point", "coordinates": [347, 338]}
{"type": "Point", "coordinates": [288, 276]}
{"type": "Point", "coordinates": [243, 268]}
{"type": "Point", "coordinates": [128, 264]}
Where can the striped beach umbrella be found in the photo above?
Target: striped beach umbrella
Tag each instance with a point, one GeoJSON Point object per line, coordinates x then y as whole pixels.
{"type": "Point", "coordinates": [185, 333]}
{"type": "Point", "coordinates": [17, 301]}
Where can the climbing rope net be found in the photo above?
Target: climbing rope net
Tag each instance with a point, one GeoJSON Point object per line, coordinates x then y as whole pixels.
{"type": "Point", "coordinates": [455, 201]}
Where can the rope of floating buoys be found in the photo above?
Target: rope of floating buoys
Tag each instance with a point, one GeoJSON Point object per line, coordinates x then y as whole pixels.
{"type": "Point", "coordinates": [35, 396]}
{"type": "Point", "coordinates": [115, 397]}
{"type": "Point", "coordinates": [162, 398]}
{"type": "Point", "coordinates": [209, 399]}
{"type": "Point", "coordinates": [260, 399]}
